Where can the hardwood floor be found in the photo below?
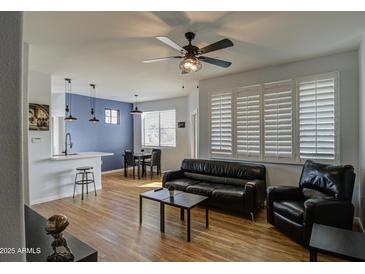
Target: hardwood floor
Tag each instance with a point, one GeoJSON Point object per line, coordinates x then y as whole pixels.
{"type": "Point", "coordinates": [110, 224]}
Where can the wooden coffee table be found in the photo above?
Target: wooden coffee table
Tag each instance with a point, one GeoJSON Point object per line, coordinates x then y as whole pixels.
{"type": "Point", "coordinates": [346, 244]}
{"type": "Point", "coordinates": [182, 200]}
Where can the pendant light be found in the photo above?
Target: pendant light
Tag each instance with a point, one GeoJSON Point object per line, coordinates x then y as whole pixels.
{"type": "Point", "coordinates": [92, 104]}
{"type": "Point", "coordinates": [136, 111]}
{"type": "Point", "coordinates": [68, 93]}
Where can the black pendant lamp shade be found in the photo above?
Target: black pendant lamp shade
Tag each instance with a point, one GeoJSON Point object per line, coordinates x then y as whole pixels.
{"type": "Point", "coordinates": [93, 118]}
{"type": "Point", "coordinates": [136, 111]}
{"type": "Point", "coordinates": [68, 93]}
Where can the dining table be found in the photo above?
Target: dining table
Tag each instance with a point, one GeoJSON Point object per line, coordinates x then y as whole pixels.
{"type": "Point", "coordinates": [140, 158]}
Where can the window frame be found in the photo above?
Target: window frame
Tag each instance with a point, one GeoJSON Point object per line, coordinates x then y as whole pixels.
{"type": "Point", "coordinates": [159, 130]}
{"type": "Point", "coordinates": [295, 160]}
{"type": "Point", "coordinates": [251, 90]}
{"type": "Point", "coordinates": [336, 76]}
{"type": "Point", "coordinates": [233, 121]}
{"type": "Point", "coordinates": [110, 116]}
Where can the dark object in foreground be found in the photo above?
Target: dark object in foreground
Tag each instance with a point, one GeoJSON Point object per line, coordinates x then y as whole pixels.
{"type": "Point", "coordinates": [323, 196]}
{"type": "Point", "coordinates": [349, 245]}
{"type": "Point", "coordinates": [36, 240]}
{"type": "Point", "coordinates": [55, 226]}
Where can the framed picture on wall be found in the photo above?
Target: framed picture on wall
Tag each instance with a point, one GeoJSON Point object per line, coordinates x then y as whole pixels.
{"type": "Point", "coordinates": [38, 117]}
{"type": "Point", "coordinates": [181, 124]}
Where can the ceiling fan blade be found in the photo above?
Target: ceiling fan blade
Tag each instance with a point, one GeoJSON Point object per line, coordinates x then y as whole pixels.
{"type": "Point", "coordinates": [213, 61]}
{"type": "Point", "coordinates": [169, 42]}
{"type": "Point", "coordinates": [222, 44]}
{"type": "Point", "coordinates": [160, 59]}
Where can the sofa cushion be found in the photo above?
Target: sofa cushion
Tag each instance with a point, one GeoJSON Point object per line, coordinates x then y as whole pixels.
{"type": "Point", "coordinates": [292, 210]}
{"type": "Point", "coordinates": [202, 188]}
{"type": "Point", "coordinates": [181, 184]}
{"type": "Point", "coordinates": [227, 196]}
{"type": "Point", "coordinates": [228, 192]}
{"type": "Point", "coordinates": [227, 169]}
{"type": "Point", "coordinates": [216, 179]}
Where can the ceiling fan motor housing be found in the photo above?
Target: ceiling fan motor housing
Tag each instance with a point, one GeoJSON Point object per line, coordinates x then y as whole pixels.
{"type": "Point", "coordinates": [190, 36]}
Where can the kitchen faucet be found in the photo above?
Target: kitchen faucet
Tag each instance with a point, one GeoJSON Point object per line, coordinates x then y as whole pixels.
{"type": "Point", "coordinates": [68, 137]}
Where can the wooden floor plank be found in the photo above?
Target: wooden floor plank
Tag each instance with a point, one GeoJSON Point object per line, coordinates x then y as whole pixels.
{"type": "Point", "coordinates": [109, 223]}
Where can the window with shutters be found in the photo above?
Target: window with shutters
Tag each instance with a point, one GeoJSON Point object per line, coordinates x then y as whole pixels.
{"type": "Point", "coordinates": [248, 122]}
{"type": "Point", "coordinates": [287, 121]}
{"type": "Point", "coordinates": [278, 120]}
{"type": "Point", "coordinates": [317, 117]}
{"type": "Point", "coordinates": [159, 128]}
{"type": "Point", "coordinates": [221, 124]}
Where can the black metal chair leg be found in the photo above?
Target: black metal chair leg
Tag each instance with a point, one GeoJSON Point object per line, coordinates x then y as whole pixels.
{"type": "Point", "coordinates": [94, 183]}
{"type": "Point", "coordinates": [82, 186]}
{"type": "Point", "coordinates": [87, 183]}
{"type": "Point", "coordinates": [75, 185]}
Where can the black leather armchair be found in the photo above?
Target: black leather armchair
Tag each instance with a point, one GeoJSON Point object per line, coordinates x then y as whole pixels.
{"type": "Point", "coordinates": [323, 196]}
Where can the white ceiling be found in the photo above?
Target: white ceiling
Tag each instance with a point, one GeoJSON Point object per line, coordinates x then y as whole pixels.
{"type": "Point", "coordinates": [107, 48]}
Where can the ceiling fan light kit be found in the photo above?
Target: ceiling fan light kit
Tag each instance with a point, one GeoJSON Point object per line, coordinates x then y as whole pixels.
{"type": "Point", "coordinates": [190, 64]}
{"type": "Point", "coordinates": [192, 55]}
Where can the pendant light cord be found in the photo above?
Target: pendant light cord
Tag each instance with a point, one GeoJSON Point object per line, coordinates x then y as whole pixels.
{"type": "Point", "coordinates": [92, 96]}
{"type": "Point", "coordinates": [69, 92]}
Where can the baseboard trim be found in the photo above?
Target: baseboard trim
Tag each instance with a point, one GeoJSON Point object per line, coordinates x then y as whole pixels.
{"type": "Point", "coordinates": [357, 221]}
{"type": "Point", "coordinates": [121, 170]}
{"type": "Point", "coordinates": [56, 197]}
{"type": "Point", "coordinates": [112, 171]}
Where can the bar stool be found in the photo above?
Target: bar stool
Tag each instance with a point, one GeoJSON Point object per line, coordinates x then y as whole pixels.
{"type": "Point", "coordinates": [84, 172]}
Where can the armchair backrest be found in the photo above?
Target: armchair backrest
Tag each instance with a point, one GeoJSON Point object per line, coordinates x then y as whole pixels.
{"type": "Point", "coordinates": [335, 180]}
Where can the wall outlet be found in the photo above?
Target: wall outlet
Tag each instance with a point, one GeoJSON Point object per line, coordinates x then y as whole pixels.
{"type": "Point", "coordinates": [36, 140]}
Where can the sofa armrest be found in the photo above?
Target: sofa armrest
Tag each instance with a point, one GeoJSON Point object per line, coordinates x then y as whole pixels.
{"type": "Point", "coordinates": [172, 175]}
{"type": "Point", "coordinates": [278, 193]}
{"type": "Point", "coordinates": [328, 212]}
{"type": "Point", "coordinates": [255, 194]}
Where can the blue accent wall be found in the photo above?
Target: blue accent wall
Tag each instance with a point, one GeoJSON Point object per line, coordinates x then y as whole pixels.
{"type": "Point", "coordinates": [101, 137]}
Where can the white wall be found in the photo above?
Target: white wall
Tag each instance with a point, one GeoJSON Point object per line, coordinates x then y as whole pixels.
{"type": "Point", "coordinates": [347, 65]}
{"type": "Point", "coordinates": [12, 233]}
{"type": "Point", "coordinates": [171, 157]}
{"type": "Point", "coordinates": [50, 180]}
{"type": "Point", "coordinates": [362, 129]}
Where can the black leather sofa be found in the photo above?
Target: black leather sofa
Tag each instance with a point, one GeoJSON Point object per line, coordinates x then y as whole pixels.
{"type": "Point", "coordinates": [234, 186]}
{"type": "Point", "coordinates": [323, 196]}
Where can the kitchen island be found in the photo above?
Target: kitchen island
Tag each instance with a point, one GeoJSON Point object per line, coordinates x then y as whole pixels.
{"type": "Point", "coordinates": [55, 176]}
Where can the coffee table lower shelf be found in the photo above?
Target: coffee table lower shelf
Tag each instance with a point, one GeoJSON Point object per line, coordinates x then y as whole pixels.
{"type": "Point", "coordinates": [182, 200]}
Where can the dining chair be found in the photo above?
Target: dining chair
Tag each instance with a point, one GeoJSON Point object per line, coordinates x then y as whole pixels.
{"type": "Point", "coordinates": [154, 161]}
{"type": "Point", "coordinates": [130, 161]}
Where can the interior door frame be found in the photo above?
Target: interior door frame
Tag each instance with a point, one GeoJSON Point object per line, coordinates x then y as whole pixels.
{"type": "Point", "coordinates": [194, 151]}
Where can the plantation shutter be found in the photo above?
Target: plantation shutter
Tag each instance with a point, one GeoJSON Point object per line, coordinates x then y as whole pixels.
{"type": "Point", "coordinates": [221, 124]}
{"type": "Point", "coordinates": [278, 120]}
{"type": "Point", "coordinates": [317, 118]}
{"type": "Point", "coordinates": [248, 122]}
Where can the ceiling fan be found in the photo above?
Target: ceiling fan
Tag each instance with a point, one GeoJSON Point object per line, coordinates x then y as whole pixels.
{"type": "Point", "coordinates": [192, 55]}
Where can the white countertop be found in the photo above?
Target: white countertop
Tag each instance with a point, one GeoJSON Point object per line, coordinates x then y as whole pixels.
{"type": "Point", "coordinates": [80, 155]}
